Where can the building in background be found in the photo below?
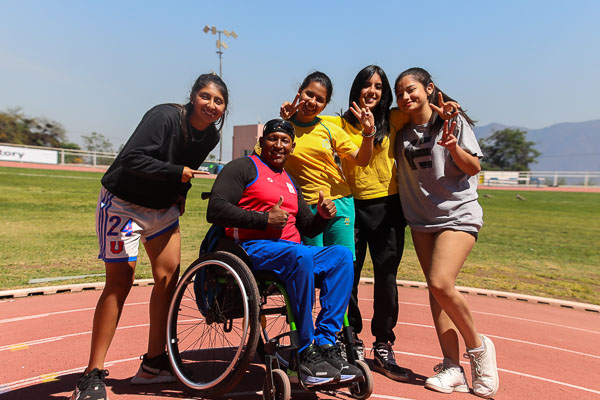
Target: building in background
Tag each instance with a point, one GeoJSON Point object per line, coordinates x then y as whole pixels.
{"type": "Point", "coordinates": [244, 139]}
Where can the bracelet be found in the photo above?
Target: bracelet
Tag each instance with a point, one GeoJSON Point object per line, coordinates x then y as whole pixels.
{"type": "Point", "coordinates": [371, 134]}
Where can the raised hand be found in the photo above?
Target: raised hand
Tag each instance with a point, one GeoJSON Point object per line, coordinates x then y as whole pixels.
{"type": "Point", "coordinates": [365, 116]}
{"type": "Point", "coordinates": [448, 139]}
{"type": "Point", "coordinates": [288, 109]}
{"type": "Point", "coordinates": [446, 109]}
{"type": "Point", "coordinates": [325, 207]}
{"type": "Point", "coordinates": [278, 217]}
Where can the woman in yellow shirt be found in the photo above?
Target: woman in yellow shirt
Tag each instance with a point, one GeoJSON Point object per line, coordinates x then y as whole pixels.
{"type": "Point", "coordinates": [379, 220]}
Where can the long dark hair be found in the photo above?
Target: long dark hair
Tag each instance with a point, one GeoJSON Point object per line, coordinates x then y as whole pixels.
{"type": "Point", "coordinates": [321, 78]}
{"type": "Point", "coordinates": [424, 77]}
{"type": "Point", "coordinates": [186, 110]}
{"type": "Point", "coordinates": [380, 112]}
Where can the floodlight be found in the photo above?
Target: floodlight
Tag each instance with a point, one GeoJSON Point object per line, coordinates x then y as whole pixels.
{"type": "Point", "coordinates": [220, 45]}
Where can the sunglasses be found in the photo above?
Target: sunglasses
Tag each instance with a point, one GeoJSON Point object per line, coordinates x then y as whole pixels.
{"type": "Point", "coordinates": [278, 125]}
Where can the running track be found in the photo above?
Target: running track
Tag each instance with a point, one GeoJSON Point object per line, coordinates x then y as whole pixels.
{"type": "Point", "coordinates": [544, 352]}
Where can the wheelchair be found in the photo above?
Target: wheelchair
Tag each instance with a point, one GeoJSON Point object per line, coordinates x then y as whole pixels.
{"type": "Point", "coordinates": [223, 313]}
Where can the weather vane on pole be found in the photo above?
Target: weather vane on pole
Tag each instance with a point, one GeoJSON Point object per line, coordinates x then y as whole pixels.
{"type": "Point", "coordinates": [220, 46]}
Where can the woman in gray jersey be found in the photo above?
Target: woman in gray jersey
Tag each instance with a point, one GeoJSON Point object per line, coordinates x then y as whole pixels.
{"type": "Point", "coordinates": [437, 166]}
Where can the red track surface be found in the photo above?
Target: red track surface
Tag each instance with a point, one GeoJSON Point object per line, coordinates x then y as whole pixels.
{"type": "Point", "coordinates": [544, 352]}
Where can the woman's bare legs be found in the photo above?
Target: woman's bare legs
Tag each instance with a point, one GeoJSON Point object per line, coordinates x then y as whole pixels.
{"type": "Point", "coordinates": [164, 253]}
{"type": "Point", "coordinates": [119, 278]}
{"type": "Point", "coordinates": [441, 255]}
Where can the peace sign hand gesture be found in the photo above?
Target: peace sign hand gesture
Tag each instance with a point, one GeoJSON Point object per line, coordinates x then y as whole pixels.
{"type": "Point", "coordinates": [288, 109]}
{"type": "Point", "coordinates": [448, 139]}
{"type": "Point", "coordinates": [446, 109]}
{"type": "Point", "coordinates": [366, 118]}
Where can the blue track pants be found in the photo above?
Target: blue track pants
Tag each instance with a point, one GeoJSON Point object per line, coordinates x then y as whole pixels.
{"type": "Point", "coordinates": [297, 266]}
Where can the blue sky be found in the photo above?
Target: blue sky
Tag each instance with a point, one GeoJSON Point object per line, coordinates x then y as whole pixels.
{"type": "Point", "coordinates": [99, 66]}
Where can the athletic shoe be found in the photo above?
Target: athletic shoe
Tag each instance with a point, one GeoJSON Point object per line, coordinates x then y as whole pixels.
{"type": "Point", "coordinates": [448, 378]}
{"type": "Point", "coordinates": [348, 372]}
{"type": "Point", "coordinates": [385, 363]}
{"type": "Point", "coordinates": [91, 386]}
{"type": "Point", "coordinates": [484, 370]}
{"type": "Point", "coordinates": [314, 369]}
{"type": "Point", "coordinates": [359, 347]}
{"type": "Point", "coordinates": [154, 370]}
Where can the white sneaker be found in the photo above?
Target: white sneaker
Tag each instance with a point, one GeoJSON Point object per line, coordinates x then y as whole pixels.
{"type": "Point", "coordinates": [448, 378]}
{"type": "Point", "coordinates": [484, 370]}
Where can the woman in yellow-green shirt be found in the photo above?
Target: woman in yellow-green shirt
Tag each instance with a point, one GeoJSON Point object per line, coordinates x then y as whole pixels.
{"type": "Point", "coordinates": [312, 163]}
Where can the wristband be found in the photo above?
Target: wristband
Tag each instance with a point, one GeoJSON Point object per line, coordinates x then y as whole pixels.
{"type": "Point", "coordinates": [371, 134]}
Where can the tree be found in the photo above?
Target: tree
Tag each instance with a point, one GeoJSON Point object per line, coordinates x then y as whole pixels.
{"type": "Point", "coordinates": [17, 128]}
{"type": "Point", "coordinates": [97, 142]}
{"type": "Point", "coordinates": [508, 150]}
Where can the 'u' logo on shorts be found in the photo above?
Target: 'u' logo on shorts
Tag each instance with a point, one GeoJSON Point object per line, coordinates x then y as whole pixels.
{"type": "Point", "coordinates": [116, 246]}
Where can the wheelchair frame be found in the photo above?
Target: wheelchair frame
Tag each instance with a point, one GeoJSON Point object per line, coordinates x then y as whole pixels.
{"type": "Point", "coordinates": [226, 277]}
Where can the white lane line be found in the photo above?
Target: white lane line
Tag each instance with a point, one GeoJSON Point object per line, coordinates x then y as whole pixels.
{"type": "Point", "coordinates": [503, 316]}
{"type": "Point", "coordinates": [36, 316]}
{"type": "Point", "coordinates": [505, 338]}
{"type": "Point", "coordinates": [24, 345]}
{"type": "Point", "coordinates": [7, 387]}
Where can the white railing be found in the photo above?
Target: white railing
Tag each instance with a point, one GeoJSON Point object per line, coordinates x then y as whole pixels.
{"type": "Point", "coordinates": [540, 178]}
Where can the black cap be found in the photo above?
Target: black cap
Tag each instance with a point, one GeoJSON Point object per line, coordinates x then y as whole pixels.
{"type": "Point", "coordinates": [278, 125]}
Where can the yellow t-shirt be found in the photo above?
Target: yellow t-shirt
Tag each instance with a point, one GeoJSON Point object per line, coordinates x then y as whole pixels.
{"type": "Point", "coordinates": [378, 178]}
{"type": "Point", "coordinates": [312, 164]}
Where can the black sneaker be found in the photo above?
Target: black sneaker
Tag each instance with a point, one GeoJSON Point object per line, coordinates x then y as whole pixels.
{"type": "Point", "coordinates": [385, 363]}
{"type": "Point", "coordinates": [314, 369]}
{"type": "Point", "coordinates": [154, 370]}
{"type": "Point", "coordinates": [348, 372]}
{"type": "Point", "coordinates": [359, 347]}
{"type": "Point", "coordinates": [91, 386]}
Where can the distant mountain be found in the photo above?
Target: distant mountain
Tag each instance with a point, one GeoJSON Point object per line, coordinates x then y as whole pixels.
{"type": "Point", "coordinates": [568, 146]}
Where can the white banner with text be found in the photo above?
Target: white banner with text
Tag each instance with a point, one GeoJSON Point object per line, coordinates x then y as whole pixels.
{"type": "Point", "coordinates": [23, 154]}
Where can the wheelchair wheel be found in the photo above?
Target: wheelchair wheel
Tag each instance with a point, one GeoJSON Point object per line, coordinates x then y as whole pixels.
{"type": "Point", "coordinates": [282, 390]}
{"type": "Point", "coordinates": [213, 325]}
{"type": "Point", "coordinates": [363, 390]}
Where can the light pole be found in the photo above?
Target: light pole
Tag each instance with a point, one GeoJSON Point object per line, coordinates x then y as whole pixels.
{"type": "Point", "coordinates": [220, 45]}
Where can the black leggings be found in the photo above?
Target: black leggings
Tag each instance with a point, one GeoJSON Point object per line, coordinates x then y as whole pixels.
{"type": "Point", "coordinates": [380, 224]}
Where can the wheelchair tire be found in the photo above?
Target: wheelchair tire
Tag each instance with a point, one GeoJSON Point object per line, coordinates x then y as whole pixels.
{"type": "Point", "coordinates": [213, 326]}
{"type": "Point", "coordinates": [282, 389]}
{"type": "Point", "coordinates": [363, 390]}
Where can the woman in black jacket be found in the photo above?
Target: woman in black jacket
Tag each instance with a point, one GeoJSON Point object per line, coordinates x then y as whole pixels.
{"type": "Point", "coordinates": [143, 194]}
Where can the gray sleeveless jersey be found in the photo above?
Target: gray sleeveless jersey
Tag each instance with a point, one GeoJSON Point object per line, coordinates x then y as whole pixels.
{"type": "Point", "coordinates": [435, 193]}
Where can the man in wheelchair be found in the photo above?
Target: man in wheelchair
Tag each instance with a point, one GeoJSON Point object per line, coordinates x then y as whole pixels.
{"type": "Point", "coordinates": [264, 211]}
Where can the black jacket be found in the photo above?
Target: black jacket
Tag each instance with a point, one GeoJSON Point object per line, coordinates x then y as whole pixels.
{"type": "Point", "coordinates": [148, 170]}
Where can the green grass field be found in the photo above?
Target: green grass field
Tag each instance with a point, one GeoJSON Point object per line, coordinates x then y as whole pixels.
{"type": "Point", "coordinates": [546, 245]}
